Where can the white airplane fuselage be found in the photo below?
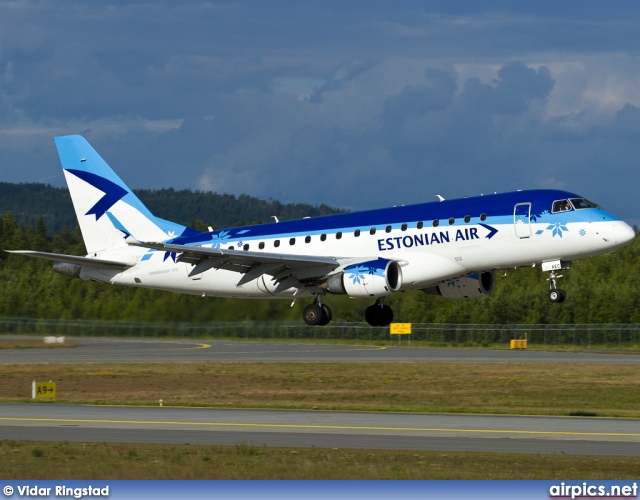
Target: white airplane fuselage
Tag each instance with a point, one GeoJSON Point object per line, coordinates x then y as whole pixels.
{"type": "Point", "coordinates": [427, 256]}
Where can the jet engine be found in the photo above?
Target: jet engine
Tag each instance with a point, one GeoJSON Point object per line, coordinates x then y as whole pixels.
{"type": "Point", "coordinates": [374, 278]}
{"type": "Point", "coordinates": [471, 286]}
{"type": "Point", "coordinates": [66, 269]}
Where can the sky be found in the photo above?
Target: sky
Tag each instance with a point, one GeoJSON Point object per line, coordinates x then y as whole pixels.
{"type": "Point", "coordinates": [355, 104]}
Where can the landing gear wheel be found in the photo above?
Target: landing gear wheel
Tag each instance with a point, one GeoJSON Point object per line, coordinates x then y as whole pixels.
{"type": "Point", "coordinates": [377, 315]}
{"type": "Point", "coordinates": [313, 314]}
{"type": "Point", "coordinates": [557, 296]}
{"type": "Point", "coordinates": [386, 316]}
{"type": "Point", "coordinates": [371, 315]}
{"type": "Point", "coordinates": [326, 316]}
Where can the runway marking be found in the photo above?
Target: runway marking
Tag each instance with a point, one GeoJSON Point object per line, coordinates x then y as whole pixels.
{"type": "Point", "coordinates": [326, 427]}
{"type": "Point", "coordinates": [191, 345]}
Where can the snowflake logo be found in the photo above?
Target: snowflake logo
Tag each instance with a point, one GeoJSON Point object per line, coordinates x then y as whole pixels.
{"type": "Point", "coordinates": [582, 232]}
{"type": "Point", "coordinates": [544, 213]}
{"type": "Point", "coordinates": [219, 238]}
{"type": "Point", "coordinates": [357, 274]}
{"type": "Point", "coordinates": [556, 229]}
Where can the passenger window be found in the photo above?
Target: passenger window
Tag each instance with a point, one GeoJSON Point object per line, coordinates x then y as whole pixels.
{"type": "Point", "coordinates": [451, 220]}
{"type": "Point", "coordinates": [372, 230]}
{"type": "Point", "coordinates": [419, 225]}
{"type": "Point", "coordinates": [323, 237]}
{"type": "Point", "coordinates": [436, 223]}
{"type": "Point", "coordinates": [307, 239]}
{"type": "Point", "coordinates": [388, 229]}
{"type": "Point", "coordinates": [403, 227]}
{"type": "Point", "coordinates": [356, 233]}
{"type": "Point", "coordinates": [338, 235]}
{"type": "Point", "coordinates": [561, 206]}
{"type": "Point", "coordinates": [246, 247]}
{"type": "Point", "coordinates": [292, 241]}
{"type": "Point", "coordinates": [467, 219]}
{"type": "Point", "coordinates": [483, 217]}
{"type": "Point", "coordinates": [276, 243]}
{"type": "Point", "coordinates": [261, 245]}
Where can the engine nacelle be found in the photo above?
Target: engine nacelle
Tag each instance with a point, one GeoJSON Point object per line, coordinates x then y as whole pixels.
{"type": "Point", "coordinates": [374, 278]}
{"type": "Point", "coordinates": [66, 269]}
{"type": "Point", "coordinates": [468, 287]}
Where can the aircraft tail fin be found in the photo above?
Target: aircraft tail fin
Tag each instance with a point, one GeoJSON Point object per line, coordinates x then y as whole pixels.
{"type": "Point", "coordinates": [107, 210]}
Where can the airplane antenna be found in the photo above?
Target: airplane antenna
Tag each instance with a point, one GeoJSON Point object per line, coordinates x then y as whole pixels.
{"type": "Point", "coordinates": [440, 197]}
{"type": "Point", "coordinates": [274, 217]}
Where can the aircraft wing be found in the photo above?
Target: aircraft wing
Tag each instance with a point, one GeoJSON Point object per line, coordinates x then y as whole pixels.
{"type": "Point", "coordinates": [287, 270]}
{"type": "Point", "coordinates": [73, 259]}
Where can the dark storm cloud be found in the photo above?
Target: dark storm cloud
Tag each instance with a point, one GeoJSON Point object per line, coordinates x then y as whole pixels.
{"type": "Point", "coordinates": [355, 105]}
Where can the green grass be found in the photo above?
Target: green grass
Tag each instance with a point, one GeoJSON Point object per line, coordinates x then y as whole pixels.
{"type": "Point", "coordinates": [46, 460]}
{"type": "Point", "coordinates": [33, 344]}
{"type": "Point", "coordinates": [503, 388]}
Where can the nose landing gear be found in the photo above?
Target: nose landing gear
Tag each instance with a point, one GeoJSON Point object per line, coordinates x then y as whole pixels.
{"type": "Point", "coordinates": [555, 294]}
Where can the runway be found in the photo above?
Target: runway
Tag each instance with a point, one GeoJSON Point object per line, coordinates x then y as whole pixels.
{"type": "Point", "coordinates": [486, 433]}
{"type": "Point", "coordinates": [108, 350]}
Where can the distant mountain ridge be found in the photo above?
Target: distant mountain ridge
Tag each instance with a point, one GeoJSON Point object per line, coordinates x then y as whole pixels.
{"type": "Point", "coordinates": [28, 202]}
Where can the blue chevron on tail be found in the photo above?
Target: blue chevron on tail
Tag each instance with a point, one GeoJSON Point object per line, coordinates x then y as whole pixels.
{"type": "Point", "coordinates": [97, 190]}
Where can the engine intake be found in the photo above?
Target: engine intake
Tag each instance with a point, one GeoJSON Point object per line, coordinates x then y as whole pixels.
{"type": "Point", "coordinates": [468, 287]}
{"type": "Point", "coordinates": [374, 278]}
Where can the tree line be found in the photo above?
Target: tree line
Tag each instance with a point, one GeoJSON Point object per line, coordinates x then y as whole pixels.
{"type": "Point", "coordinates": [28, 203]}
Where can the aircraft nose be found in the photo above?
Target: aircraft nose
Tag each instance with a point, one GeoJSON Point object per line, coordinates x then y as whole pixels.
{"type": "Point", "coordinates": [624, 233]}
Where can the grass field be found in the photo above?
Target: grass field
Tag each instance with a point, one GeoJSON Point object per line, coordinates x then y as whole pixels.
{"type": "Point", "coordinates": [506, 388]}
{"type": "Point", "coordinates": [34, 344]}
{"type": "Point", "coordinates": [44, 460]}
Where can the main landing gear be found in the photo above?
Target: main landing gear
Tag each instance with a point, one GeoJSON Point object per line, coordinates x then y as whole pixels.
{"type": "Point", "coordinates": [317, 313]}
{"type": "Point", "coordinates": [379, 314]}
{"type": "Point", "coordinates": [555, 294]}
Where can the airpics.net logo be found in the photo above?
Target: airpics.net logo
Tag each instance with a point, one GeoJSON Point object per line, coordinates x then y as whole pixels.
{"type": "Point", "coordinates": [586, 490]}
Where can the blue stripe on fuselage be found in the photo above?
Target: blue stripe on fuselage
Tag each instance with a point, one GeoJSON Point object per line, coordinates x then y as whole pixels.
{"type": "Point", "coordinates": [499, 208]}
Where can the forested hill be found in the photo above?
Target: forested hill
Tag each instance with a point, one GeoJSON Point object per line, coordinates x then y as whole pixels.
{"type": "Point", "coordinates": [28, 202]}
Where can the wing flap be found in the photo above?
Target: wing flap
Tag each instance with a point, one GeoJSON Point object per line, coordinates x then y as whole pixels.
{"type": "Point", "coordinates": [251, 264]}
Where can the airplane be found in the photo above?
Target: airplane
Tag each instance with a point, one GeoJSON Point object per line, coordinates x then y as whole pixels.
{"type": "Point", "coordinates": [450, 248]}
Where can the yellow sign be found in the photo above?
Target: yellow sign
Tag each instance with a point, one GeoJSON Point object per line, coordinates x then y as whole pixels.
{"type": "Point", "coordinates": [400, 329]}
{"type": "Point", "coordinates": [42, 390]}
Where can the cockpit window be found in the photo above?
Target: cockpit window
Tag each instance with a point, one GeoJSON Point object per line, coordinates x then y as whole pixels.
{"type": "Point", "coordinates": [561, 206]}
{"type": "Point", "coordinates": [580, 203]}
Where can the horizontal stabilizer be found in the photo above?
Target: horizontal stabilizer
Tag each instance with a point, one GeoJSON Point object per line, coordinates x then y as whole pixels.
{"type": "Point", "coordinates": [73, 259]}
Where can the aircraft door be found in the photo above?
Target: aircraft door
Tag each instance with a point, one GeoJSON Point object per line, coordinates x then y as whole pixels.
{"type": "Point", "coordinates": [522, 220]}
